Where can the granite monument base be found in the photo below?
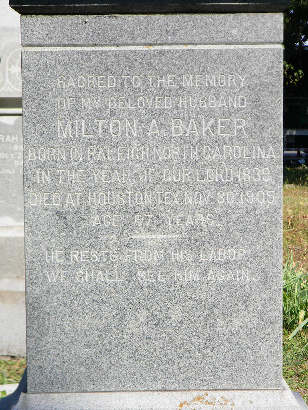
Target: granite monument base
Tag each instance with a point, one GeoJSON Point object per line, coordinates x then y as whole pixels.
{"type": "Point", "coordinates": [165, 400]}
{"type": "Point", "coordinates": [188, 111]}
{"type": "Point", "coordinates": [182, 291]}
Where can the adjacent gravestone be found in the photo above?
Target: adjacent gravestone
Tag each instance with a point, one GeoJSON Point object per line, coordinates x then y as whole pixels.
{"type": "Point", "coordinates": [11, 193]}
{"type": "Point", "coordinates": [12, 273]}
{"type": "Point", "coordinates": [10, 78]}
{"type": "Point", "coordinates": [12, 276]}
{"type": "Point", "coordinates": [153, 173]}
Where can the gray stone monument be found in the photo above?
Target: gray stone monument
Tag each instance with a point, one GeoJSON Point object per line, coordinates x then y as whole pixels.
{"type": "Point", "coordinates": [10, 78]}
{"type": "Point", "coordinates": [12, 272]}
{"type": "Point", "coordinates": [12, 278]}
{"type": "Point", "coordinates": [152, 182]}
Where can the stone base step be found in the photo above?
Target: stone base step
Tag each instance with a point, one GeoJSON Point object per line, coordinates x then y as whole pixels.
{"type": "Point", "coordinates": [283, 399]}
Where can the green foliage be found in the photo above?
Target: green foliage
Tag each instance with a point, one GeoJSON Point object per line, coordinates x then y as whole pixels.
{"type": "Point", "coordinates": [3, 378]}
{"type": "Point", "coordinates": [295, 362]}
{"type": "Point", "coordinates": [296, 175]}
{"type": "Point", "coordinates": [11, 370]}
{"type": "Point", "coordinates": [2, 393]}
{"type": "Point", "coordinates": [295, 297]}
{"type": "Point", "coordinates": [292, 76]}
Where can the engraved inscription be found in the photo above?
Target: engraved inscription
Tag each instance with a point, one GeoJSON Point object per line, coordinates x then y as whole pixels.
{"type": "Point", "coordinates": [157, 159]}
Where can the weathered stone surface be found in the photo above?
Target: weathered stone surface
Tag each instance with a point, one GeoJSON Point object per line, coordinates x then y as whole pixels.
{"type": "Point", "coordinates": [152, 29]}
{"type": "Point", "coordinates": [153, 217]}
{"type": "Point", "coordinates": [12, 316]}
{"type": "Point", "coordinates": [12, 272]}
{"type": "Point", "coordinates": [11, 170]}
{"type": "Point", "coordinates": [10, 78]}
{"type": "Point", "coordinates": [8, 17]}
{"type": "Point", "coordinates": [282, 399]}
{"type": "Point", "coordinates": [12, 253]}
{"type": "Point", "coordinates": [11, 199]}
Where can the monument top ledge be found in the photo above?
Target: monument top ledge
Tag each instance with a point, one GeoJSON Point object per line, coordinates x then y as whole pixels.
{"type": "Point", "coordinates": [146, 6]}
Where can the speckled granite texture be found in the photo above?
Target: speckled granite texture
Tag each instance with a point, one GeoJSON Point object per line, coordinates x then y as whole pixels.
{"type": "Point", "coordinates": [282, 399]}
{"type": "Point", "coordinates": [153, 214]}
{"type": "Point", "coordinates": [152, 29]}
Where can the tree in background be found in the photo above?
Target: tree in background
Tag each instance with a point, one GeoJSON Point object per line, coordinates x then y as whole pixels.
{"type": "Point", "coordinates": [295, 39]}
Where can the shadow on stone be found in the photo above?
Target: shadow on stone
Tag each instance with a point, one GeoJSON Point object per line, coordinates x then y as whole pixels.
{"type": "Point", "coordinates": [11, 400]}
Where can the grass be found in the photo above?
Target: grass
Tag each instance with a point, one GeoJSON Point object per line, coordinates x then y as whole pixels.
{"type": "Point", "coordinates": [295, 295]}
{"type": "Point", "coordinates": [295, 216]}
{"type": "Point", "coordinates": [295, 362]}
{"type": "Point", "coordinates": [11, 369]}
{"type": "Point", "coordinates": [296, 175]}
